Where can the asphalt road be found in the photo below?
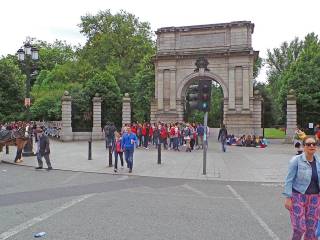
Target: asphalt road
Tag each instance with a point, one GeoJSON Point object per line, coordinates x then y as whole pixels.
{"type": "Point", "coordinates": [75, 205]}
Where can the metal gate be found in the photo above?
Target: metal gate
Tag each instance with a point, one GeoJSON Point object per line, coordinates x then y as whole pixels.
{"type": "Point", "coordinates": [82, 115]}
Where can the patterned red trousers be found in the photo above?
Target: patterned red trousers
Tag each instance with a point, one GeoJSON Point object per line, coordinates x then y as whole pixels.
{"type": "Point", "coordinates": [304, 215]}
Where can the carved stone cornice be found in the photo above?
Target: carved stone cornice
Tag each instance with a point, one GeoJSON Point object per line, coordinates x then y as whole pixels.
{"type": "Point", "coordinates": [206, 27]}
{"type": "Point", "coordinates": [175, 55]}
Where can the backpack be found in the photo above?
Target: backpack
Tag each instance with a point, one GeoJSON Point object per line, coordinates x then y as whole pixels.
{"type": "Point", "coordinates": [163, 133]}
{"type": "Point", "coordinates": [172, 132]}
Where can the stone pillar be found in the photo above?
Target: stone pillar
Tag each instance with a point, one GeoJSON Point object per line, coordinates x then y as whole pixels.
{"type": "Point", "coordinates": [245, 88]}
{"type": "Point", "coordinates": [126, 109]}
{"type": "Point", "coordinates": [96, 126]}
{"type": "Point", "coordinates": [66, 130]}
{"type": "Point", "coordinates": [257, 113]}
{"type": "Point", "coordinates": [173, 89]}
{"type": "Point", "coordinates": [160, 90]}
{"type": "Point", "coordinates": [291, 116]}
{"type": "Point", "coordinates": [232, 90]}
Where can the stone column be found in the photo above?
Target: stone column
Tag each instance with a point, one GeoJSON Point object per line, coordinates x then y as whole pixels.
{"type": "Point", "coordinates": [173, 89]}
{"type": "Point", "coordinates": [245, 88]}
{"type": "Point", "coordinates": [291, 116]}
{"type": "Point", "coordinates": [66, 130]}
{"type": "Point", "coordinates": [160, 90]}
{"type": "Point", "coordinates": [232, 90]}
{"type": "Point", "coordinates": [96, 126]}
{"type": "Point", "coordinates": [126, 109]}
{"type": "Point", "coordinates": [257, 113]}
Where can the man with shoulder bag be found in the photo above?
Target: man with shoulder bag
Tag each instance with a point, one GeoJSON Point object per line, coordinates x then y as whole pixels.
{"type": "Point", "coordinates": [43, 149]}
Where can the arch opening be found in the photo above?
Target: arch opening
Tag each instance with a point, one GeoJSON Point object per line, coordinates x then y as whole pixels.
{"type": "Point", "coordinates": [216, 112]}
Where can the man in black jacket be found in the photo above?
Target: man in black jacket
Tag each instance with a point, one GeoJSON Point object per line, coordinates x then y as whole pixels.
{"type": "Point", "coordinates": [43, 149]}
{"type": "Point", "coordinates": [109, 130]}
{"type": "Point", "coordinates": [222, 137]}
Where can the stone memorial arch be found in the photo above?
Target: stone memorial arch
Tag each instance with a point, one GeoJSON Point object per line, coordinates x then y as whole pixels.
{"type": "Point", "coordinates": [223, 53]}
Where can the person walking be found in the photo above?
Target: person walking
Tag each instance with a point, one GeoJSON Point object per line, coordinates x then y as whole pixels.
{"type": "Point", "coordinates": [301, 190]}
{"type": "Point", "coordinates": [128, 141]}
{"type": "Point", "coordinates": [222, 137]}
{"type": "Point", "coordinates": [200, 134]}
{"type": "Point", "coordinates": [117, 151]}
{"type": "Point", "coordinates": [109, 130]}
{"type": "Point", "coordinates": [43, 149]}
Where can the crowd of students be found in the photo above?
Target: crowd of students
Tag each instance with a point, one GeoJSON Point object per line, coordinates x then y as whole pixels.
{"type": "Point", "coordinates": [171, 135]}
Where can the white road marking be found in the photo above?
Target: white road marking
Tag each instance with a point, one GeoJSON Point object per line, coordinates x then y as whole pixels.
{"type": "Point", "coordinates": [13, 231]}
{"type": "Point", "coordinates": [202, 194]}
{"type": "Point", "coordinates": [254, 214]}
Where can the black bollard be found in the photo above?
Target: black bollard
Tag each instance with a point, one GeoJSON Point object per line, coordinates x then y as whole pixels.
{"type": "Point", "coordinates": [7, 149]}
{"type": "Point", "coordinates": [159, 152]}
{"type": "Point", "coordinates": [110, 156]}
{"type": "Point", "coordinates": [89, 150]}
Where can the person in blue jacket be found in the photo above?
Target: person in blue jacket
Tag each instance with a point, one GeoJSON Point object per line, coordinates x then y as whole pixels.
{"type": "Point", "coordinates": [302, 191]}
{"type": "Point", "coordinates": [128, 142]}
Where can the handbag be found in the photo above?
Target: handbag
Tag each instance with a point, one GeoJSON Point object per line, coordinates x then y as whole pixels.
{"type": "Point", "coordinates": [318, 229]}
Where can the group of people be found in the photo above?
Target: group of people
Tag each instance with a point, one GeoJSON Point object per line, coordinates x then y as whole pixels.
{"type": "Point", "coordinates": [172, 136]}
{"type": "Point", "coordinates": [247, 141]}
{"type": "Point", "coordinates": [243, 141]}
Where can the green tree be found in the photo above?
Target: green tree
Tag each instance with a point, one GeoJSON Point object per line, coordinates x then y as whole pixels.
{"type": "Point", "coordinates": [278, 61]}
{"type": "Point", "coordinates": [118, 43]}
{"type": "Point", "coordinates": [53, 54]}
{"type": "Point", "coordinates": [12, 90]}
{"type": "Point", "coordinates": [106, 86]}
{"type": "Point", "coordinates": [268, 105]}
{"type": "Point", "coordinates": [215, 116]}
{"type": "Point", "coordinates": [296, 66]}
{"type": "Point", "coordinates": [258, 64]}
{"type": "Point", "coordinates": [50, 86]}
{"type": "Point", "coordinates": [143, 90]}
{"type": "Point", "coordinates": [303, 76]}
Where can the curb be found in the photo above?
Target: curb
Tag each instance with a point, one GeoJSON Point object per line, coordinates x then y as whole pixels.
{"type": "Point", "coordinates": [141, 176]}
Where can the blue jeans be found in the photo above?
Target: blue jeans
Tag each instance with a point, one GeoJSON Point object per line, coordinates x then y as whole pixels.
{"type": "Point", "coordinates": [175, 143]}
{"type": "Point", "coordinates": [128, 153]}
{"type": "Point", "coordinates": [224, 146]}
{"type": "Point", "coordinates": [116, 154]}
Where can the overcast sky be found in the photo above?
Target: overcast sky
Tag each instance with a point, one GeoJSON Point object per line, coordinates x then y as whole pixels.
{"type": "Point", "coordinates": [275, 21]}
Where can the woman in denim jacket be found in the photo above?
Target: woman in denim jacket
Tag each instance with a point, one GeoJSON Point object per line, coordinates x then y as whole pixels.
{"type": "Point", "coordinates": [302, 191]}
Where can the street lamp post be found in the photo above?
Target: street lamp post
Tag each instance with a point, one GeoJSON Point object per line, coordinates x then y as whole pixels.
{"type": "Point", "coordinates": [27, 57]}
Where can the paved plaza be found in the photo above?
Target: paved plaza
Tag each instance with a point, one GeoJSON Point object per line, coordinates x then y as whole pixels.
{"type": "Point", "coordinates": [237, 164]}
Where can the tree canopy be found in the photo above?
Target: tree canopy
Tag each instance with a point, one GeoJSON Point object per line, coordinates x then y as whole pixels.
{"type": "Point", "coordinates": [296, 66]}
{"type": "Point", "coordinates": [12, 90]}
{"type": "Point", "coordinates": [115, 59]}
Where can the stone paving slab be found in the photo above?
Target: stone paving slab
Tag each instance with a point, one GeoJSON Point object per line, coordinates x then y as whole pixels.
{"type": "Point", "coordinates": [237, 164]}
